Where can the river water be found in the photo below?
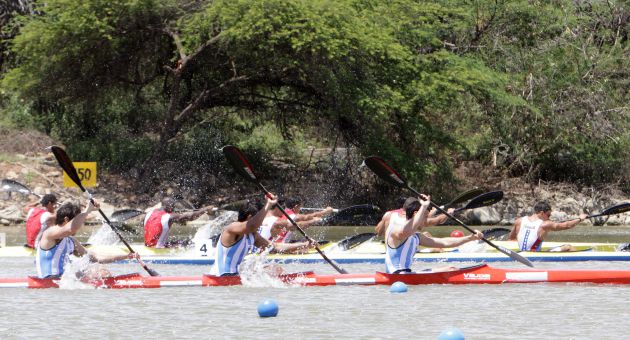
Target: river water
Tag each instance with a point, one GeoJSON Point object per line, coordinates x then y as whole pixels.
{"type": "Point", "coordinates": [516, 311]}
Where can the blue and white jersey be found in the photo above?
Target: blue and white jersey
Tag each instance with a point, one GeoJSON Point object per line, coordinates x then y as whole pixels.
{"type": "Point", "coordinates": [227, 259]}
{"type": "Point", "coordinates": [51, 262]}
{"type": "Point", "coordinates": [401, 257]}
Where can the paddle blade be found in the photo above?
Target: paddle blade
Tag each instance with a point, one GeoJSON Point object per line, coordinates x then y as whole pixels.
{"type": "Point", "coordinates": [125, 214]}
{"type": "Point", "coordinates": [240, 163]}
{"type": "Point", "coordinates": [66, 164]}
{"type": "Point", "coordinates": [13, 186]}
{"type": "Point", "coordinates": [465, 196]}
{"type": "Point", "coordinates": [484, 200]}
{"type": "Point", "coordinates": [617, 209]}
{"type": "Point", "coordinates": [384, 171]}
{"type": "Point", "coordinates": [498, 234]}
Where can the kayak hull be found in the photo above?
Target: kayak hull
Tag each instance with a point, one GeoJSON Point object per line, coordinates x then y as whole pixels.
{"type": "Point", "coordinates": [479, 274]}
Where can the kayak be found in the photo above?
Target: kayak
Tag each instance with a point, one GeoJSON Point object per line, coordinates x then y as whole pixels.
{"type": "Point", "coordinates": [479, 274]}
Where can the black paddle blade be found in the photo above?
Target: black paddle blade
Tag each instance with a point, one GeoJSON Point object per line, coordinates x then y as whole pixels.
{"type": "Point", "coordinates": [14, 186]}
{"type": "Point", "coordinates": [484, 200]}
{"type": "Point", "coordinates": [384, 171]}
{"type": "Point", "coordinates": [617, 209]}
{"type": "Point", "coordinates": [465, 196]}
{"type": "Point", "coordinates": [66, 164]}
{"type": "Point", "coordinates": [125, 214]}
{"type": "Point", "coordinates": [240, 163]}
{"type": "Point", "coordinates": [498, 234]}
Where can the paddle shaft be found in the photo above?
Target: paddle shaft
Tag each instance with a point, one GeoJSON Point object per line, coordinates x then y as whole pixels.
{"type": "Point", "coordinates": [505, 251]}
{"type": "Point", "coordinates": [337, 268]}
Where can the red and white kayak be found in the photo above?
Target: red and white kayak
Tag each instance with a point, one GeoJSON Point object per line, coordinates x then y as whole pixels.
{"type": "Point", "coordinates": [480, 274]}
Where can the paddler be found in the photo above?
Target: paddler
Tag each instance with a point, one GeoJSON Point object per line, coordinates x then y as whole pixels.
{"type": "Point", "coordinates": [402, 237]}
{"type": "Point", "coordinates": [57, 243]}
{"type": "Point", "coordinates": [240, 237]}
{"type": "Point", "coordinates": [39, 218]}
{"type": "Point", "coordinates": [283, 231]}
{"type": "Point", "coordinates": [158, 222]}
{"type": "Point", "coordinates": [529, 231]}
{"type": "Point", "coordinates": [432, 219]}
{"type": "Point", "coordinates": [275, 226]}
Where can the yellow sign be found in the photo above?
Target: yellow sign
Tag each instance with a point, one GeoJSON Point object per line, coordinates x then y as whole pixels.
{"type": "Point", "coordinates": [86, 172]}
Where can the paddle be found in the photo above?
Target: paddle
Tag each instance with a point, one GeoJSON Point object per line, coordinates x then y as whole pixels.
{"type": "Point", "coordinates": [125, 214]}
{"type": "Point", "coordinates": [387, 173]}
{"type": "Point", "coordinates": [242, 166]}
{"type": "Point", "coordinates": [66, 164]}
{"type": "Point", "coordinates": [10, 185]}
{"type": "Point", "coordinates": [496, 233]}
{"type": "Point", "coordinates": [463, 197]}
{"type": "Point", "coordinates": [483, 200]}
{"type": "Point", "coordinates": [614, 210]}
{"type": "Point", "coordinates": [353, 210]}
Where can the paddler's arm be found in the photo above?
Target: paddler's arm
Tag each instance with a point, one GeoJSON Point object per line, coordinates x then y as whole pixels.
{"type": "Point", "coordinates": [515, 229]}
{"type": "Point", "coordinates": [254, 223]}
{"type": "Point", "coordinates": [448, 242]}
{"type": "Point", "coordinates": [316, 214]}
{"type": "Point", "coordinates": [51, 234]}
{"type": "Point", "coordinates": [191, 215]}
{"type": "Point", "coordinates": [436, 218]}
{"type": "Point", "coordinates": [79, 250]}
{"type": "Point", "coordinates": [556, 226]}
{"type": "Point", "coordinates": [417, 222]}
{"type": "Point", "coordinates": [30, 205]}
{"type": "Point", "coordinates": [262, 243]}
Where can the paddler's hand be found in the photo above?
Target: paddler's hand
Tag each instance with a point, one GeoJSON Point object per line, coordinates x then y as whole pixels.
{"type": "Point", "coordinates": [91, 206]}
{"type": "Point", "coordinates": [210, 209]}
{"type": "Point", "coordinates": [311, 243]}
{"type": "Point", "coordinates": [476, 236]}
{"type": "Point", "coordinates": [329, 210]}
{"type": "Point", "coordinates": [133, 255]}
{"type": "Point", "coordinates": [271, 202]}
{"type": "Point", "coordinates": [425, 200]}
{"type": "Point", "coordinates": [583, 217]}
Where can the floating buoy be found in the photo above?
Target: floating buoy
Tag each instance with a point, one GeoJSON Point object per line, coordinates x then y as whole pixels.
{"type": "Point", "coordinates": [457, 233]}
{"type": "Point", "coordinates": [267, 308]}
{"type": "Point", "coordinates": [451, 334]}
{"type": "Point", "coordinates": [398, 287]}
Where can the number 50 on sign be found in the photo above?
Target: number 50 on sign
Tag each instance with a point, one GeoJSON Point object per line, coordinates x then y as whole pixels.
{"type": "Point", "coordinates": [86, 172]}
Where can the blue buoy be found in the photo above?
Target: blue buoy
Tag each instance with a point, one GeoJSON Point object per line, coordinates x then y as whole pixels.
{"type": "Point", "coordinates": [451, 334]}
{"type": "Point", "coordinates": [267, 308]}
{"type": "Point", "coordinates": [398, 287]}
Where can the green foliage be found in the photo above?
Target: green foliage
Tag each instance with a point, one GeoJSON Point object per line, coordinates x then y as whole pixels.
{"type": "Point", "coordinates": [424, 84]}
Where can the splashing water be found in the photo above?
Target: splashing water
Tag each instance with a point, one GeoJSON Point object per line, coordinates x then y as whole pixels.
{"type": "Point", "coordinates": [104, 236]}
{"type": "Point", "coordinates": [256, 271]}
{"type": "Point", "coordinates": [69, 279]}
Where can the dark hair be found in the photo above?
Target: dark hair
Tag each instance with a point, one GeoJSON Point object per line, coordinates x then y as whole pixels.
{"type": "Point", "coordinates": [411, 206]}
{"type": "Point", "coordinates": [69, 210]}
{"type": "Point", "coordinates": [541, 207]}
{"type": "Point", "coordinates": [48, 198]}
{"type": "Point", "coordinates": [400, 201]}
{"type": "Point", "coordinates": [168, 204]}
{"type": "Point", "coordinates": [293, 201]}
{"type": "Point", "coordinates": [246, 211]}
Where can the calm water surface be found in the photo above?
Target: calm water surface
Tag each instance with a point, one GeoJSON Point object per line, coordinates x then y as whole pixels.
{"type": "Point", "coordinates": [517, 311]}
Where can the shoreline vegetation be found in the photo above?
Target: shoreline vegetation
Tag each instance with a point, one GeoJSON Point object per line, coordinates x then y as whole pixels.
{"type": "Point", "coordinates": [528, 97]}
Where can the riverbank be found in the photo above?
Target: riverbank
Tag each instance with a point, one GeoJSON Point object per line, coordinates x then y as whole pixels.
{"type": "Point", "coordinates": [24, 159]}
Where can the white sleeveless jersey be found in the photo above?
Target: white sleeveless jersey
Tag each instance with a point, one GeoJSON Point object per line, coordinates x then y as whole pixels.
{"type": "Point", "coordinates": [265, 228]}
{"type": "Point", "coordinates": [527, 237]}
{"type": "Point", "coordinates": [401, 257]}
